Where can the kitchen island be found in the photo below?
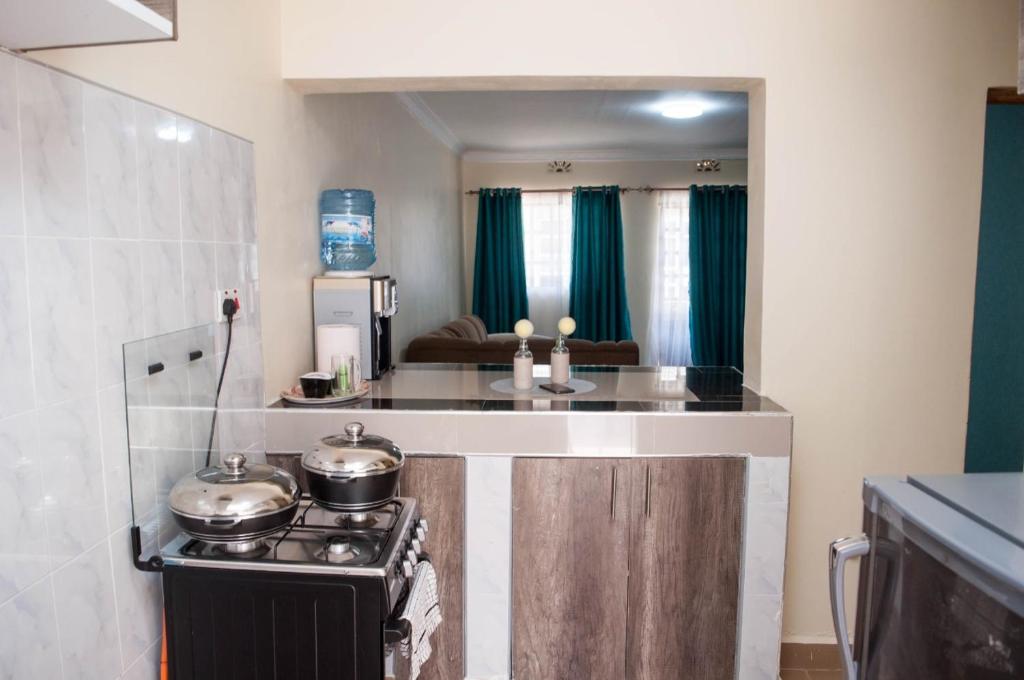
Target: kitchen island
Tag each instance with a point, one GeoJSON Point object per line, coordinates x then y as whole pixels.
{"type": "Point", "coordinates": [635, 529]}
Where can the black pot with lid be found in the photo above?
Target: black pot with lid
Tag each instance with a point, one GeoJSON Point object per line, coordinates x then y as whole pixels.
{"type": "Point", "coordinates": [353, 472]}
{"type": "Point", "coordinates": [234, 502]}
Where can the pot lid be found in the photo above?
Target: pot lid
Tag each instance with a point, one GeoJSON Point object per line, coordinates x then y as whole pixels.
{"type": "Point", "coordinates": [235, 490]}
{"type": "Point", "coordinates": [353, 454]}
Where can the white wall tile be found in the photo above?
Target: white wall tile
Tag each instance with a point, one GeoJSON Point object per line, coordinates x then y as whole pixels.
{"type": "Point", "coordinates": [163, 300]}
{"type": "Point", "coordinates": [114, 442]}
{"type": "Point", "coordinates": [248, 176]}
{"type": "Point", "coordinates": [139, 600]}
{"type": "Point", "coordinates": [76, 514]}
{"type": "Point", "coordinates": [53, 152]}
{"type": "Point", "coordinates": [16, 390]}
{"type": "Point", "coordinates": [28, 645]}
{"type": "Point", "coordinates": [23, 552]}
{"type": "Point", "coordinates": [147, 666]}
{"type": "Point", "coordinates": [60, 294]}
{"type": "Point", "coordinates": [197, 172]}
{"type": "Point", "coordinates": [10, 169]}
{"type": "Point", "coordinates": [227, 187]}
{"type": "Point", "coordinates": [87, 617]}
{"type": "Point", "coordinates": [111, 164]}
{"type": "Point", "coordinates": [159, 209]}
{"type": "Point", "coordinates": [200, 266]}
{"type": "Point", "coordinates": [117, 289]}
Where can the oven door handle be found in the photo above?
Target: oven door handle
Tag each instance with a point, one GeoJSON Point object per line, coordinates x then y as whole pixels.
{"type": "Point", "coordinates": [396, 630]}
{"type": "Point", "coordinates": [839, 552]}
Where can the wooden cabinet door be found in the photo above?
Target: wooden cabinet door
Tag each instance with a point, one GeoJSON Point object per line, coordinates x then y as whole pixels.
{"type": "Point", "coordinates": [439, 484]}
{"type": "Point", "coordinates": [684, 568]}
{"type": "Point", "coordinates": [570, 536]}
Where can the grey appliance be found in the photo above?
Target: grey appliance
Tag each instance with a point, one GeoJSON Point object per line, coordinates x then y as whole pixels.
{"type": "Point", "coordinates": [941, 590]}
{"type": "Point", "coordinates": [370, 302]}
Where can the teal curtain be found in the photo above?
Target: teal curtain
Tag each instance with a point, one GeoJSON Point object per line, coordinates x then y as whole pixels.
{"type": "Point", "coordinates": [597, 287]}
{"type": "Point", "coordinates": [718, 274]}
{"type": "Point", "coordinates": [499, 274]}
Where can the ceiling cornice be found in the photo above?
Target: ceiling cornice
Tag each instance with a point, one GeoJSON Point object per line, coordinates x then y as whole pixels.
{"type": "Point", "coordinates": [419, 110]}
{"type": "Point", "coordinates": [485, 156]}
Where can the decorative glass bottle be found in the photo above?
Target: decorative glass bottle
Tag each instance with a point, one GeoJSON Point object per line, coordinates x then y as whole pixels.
{"type": "Point", "coordinates": [522, 363]}
{"type": "Point", "coordinates": [560, 353]}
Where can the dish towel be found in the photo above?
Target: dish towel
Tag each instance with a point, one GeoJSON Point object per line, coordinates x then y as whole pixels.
{"type": "Point", "coordinates": [423, 612]}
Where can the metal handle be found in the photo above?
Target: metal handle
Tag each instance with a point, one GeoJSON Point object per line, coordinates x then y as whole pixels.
{"type": "Point", "coordinates": [840, 551]}
{"type": "Point", "coordinates": [615, 472]}
{"type": "Point", "coordinates": [647, 497]}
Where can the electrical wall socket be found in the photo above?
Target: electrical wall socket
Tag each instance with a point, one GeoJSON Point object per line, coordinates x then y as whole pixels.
{"type": "Point", "coordinates": [228, 294]}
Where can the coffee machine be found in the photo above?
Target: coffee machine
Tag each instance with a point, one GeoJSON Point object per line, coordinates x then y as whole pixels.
{"type": "Point", "coordinates": [369, 301]}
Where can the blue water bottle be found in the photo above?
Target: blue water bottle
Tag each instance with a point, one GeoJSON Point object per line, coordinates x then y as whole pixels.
{"type": "Point", "coordinates": [346, 229]}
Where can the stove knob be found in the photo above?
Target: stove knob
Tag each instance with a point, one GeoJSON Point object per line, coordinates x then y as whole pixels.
{"type": "Point", "coordinates": [421, 534]}
{"type": "Point", "coordinates": [410, 556]}
{"type": "Point", "coordinates": [416, 546]}
{"type": "Point", "coordinates": [407, 568]}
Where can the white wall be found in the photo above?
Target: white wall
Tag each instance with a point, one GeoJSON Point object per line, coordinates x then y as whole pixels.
{"type": "Point", "coordinates": [639, 210]}
{"type": "Point", "coordinates": [374, 143]}
{"type": "Point", "coordinates": [871, 154]}
{"type": "Point", "coordinates": [225, 69]}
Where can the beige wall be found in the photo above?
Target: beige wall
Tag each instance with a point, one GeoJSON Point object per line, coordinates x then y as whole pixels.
{"type": "Point", "coordinates": [639, 210]}
{"type": "Point", "coordinates": [871, 149]}
{"type": "Point", "coordinates": [225, 70]}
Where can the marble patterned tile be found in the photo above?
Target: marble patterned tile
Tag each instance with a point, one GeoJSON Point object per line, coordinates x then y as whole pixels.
{"type": "Point", "coordinates": [52, 152]}
{"type": "Point", "coordinates": [200, 268]}
{"type": "Point", "coordinates": [236, 266]}
{"type": "Point", "coordinates": [87, 615]}
{"type": "Point", "coordinates": [16, 387]}
{"type": "Point", "coordinates": [147, 666]}
{"type": "Point", "coordinates": [11, 222]}
{"type": "Point", "coordinates": [111, 164]}
{"type": "Point", "coordinates": [60, 295]}
{"type": "Point", "coordinates": [760, 638]}
{"type": "Point", "coordinates": [159, 209]}
{"type": "Point", "coordinates": [139, 600]}
{"type": "Point", "coordinates": [488, 566]}
{"type": "Point", "coordinates": [76, 513]}
{"type": "Point", "coordinates": [29, 646]}
{"type": "Point", "coordinates": [163, 298]}
{"type": "Point", "coordinates": [23, 554]}
{"type": "Point", "coordinates": [769, 479]}
{"type": "Point", "coordinates": [114, 442]}
{"type": "Point", "coordinates": [765, 550]}
{"type": "Point", "coordinates": [117, 289]}
{"type": "Point", "coordinates": [247, 172]}
{"type": "Point", "coordinates": [197, 176]}
{"type": "Point", "coordinates": [227, 187]}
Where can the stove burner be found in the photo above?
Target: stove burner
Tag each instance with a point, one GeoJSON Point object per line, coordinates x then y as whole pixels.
{"type": "Point", "coordinates": [242, 550]}
{"type": "Point", "coordinates": [336, 545]}
{"type": "Point", "coordinates": [339, 549]}
{"type": "Point", "coordinates": [356, 520]}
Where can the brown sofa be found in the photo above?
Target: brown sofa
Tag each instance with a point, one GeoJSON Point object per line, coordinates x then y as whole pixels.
{"type": "Point", "coordinates": [466, 341]}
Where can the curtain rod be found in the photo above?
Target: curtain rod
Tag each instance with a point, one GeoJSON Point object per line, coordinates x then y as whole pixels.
{"type": "Point", "coordinates": [623, 190]}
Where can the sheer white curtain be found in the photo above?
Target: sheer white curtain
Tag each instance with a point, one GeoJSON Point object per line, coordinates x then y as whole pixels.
{"type": "Point", "coordinates": [669, 330]}
{"type": "Point", "coordinates": [547, 247]}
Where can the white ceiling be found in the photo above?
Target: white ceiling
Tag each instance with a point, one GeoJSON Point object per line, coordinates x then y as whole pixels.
{"type": "Point", "coordinates": [583, 125]}
{"type": "Point", "coordinates": [32, 24]}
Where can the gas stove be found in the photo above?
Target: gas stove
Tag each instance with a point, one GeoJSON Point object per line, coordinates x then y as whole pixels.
{"type": "Point", "coordinates": [326, 590]}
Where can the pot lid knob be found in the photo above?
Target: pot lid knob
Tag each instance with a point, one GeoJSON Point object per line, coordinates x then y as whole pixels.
{"type": "Point", "coordinates": [354, 431]}
{"type": "Point", "coordinates": [234, 462]}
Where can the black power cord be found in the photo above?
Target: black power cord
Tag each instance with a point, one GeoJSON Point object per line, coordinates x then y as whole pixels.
{"type": "Point", "coordinates": [229, 307]}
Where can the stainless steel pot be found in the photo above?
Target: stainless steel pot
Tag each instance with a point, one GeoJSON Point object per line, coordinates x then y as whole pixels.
{"type": "Point", "coordinates": [353, 472]}
{"type": "Point", "coordinates": [236, 502]}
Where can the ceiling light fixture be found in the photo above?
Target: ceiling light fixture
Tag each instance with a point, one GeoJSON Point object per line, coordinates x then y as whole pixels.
{"type": "Point", "coordinates": [680, 110]}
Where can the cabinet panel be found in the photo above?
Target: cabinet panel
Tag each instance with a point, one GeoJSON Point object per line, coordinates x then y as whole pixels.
{"type": "Point", "coordinates": [570, 535]}
{"type": "Point", "coordinates": [439, 484]}
{"type": "Point", "coordinates": [686, 517]}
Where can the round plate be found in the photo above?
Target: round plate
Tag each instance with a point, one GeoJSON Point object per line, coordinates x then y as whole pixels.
{"type": "Point", "coordinates": [295, 396]}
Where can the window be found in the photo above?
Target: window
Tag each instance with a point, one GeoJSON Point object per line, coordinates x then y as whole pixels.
{"type": "Point", "coordinates": [669, 333]}
{"type": "Point", "coordinates": [547, 248]}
